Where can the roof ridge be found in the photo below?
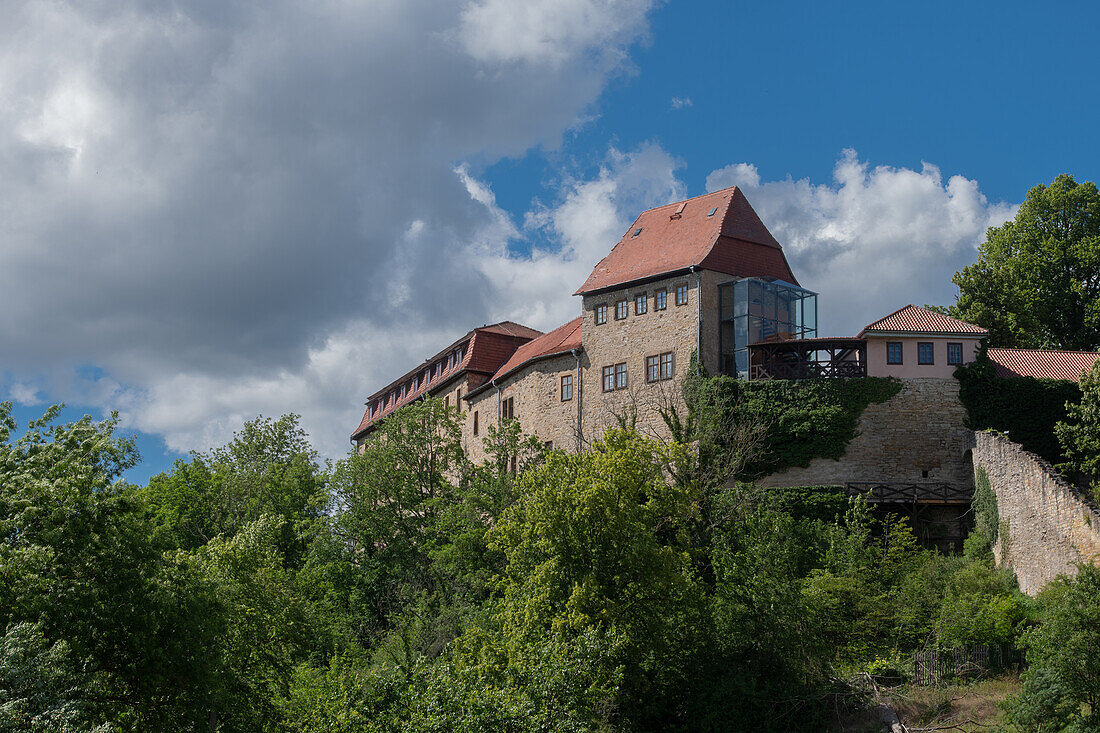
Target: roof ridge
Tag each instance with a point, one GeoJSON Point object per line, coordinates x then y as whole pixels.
{"type": "Point", "coordinates": [1046, 351]}
{"type": "Point", "coordinates": [684, 201]}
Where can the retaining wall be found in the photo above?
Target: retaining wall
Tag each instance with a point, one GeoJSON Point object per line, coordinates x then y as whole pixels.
{"type": "Point", "coordinates": [917, 436]}
{"type": "Point", "coordinates": [1047, 526]}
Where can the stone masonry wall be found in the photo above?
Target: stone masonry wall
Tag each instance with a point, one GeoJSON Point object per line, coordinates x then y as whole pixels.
{"type": "Point", "coordinates": [1047, 526]}
{"type": "Point", "coordinates": [631, 340]}
{"type": "Point", "coordinates": [916, 436]}
{"type": "Point", "coordinates": [537, 404]}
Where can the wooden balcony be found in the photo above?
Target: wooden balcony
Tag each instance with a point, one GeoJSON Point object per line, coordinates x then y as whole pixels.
{"type": "Point", "coordinates": [816, 358]}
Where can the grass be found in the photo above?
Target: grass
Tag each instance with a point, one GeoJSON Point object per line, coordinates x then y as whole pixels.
{"type": "Point", "coordinates": [965, 707]}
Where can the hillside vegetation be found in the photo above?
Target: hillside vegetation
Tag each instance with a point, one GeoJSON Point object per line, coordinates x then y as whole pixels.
{"type": "Point", "coordinates": [626, 588]}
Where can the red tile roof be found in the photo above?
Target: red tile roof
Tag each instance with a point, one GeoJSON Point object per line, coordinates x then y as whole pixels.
{"type": "Point", "coordinates": [561, 340]}
{"type": "Point", "coordinates": [915, 319]}
{"type": "Point", "coordinates": [1041, 363]}
{"type": "Point", "coordinates": [680, 235]}
{"type": "Point", "coordinates": [485, 349]}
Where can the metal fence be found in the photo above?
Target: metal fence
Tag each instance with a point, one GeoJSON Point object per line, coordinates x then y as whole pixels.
{"type": "Point", "coordinates": [932, 666]}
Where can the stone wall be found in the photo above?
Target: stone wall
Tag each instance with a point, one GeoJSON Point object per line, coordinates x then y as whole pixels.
{"type": "Point", "coordinates": [631, 340]}
{"type": "Point", "coordinates": [537, 405]}
{"type": "Point", "coordinates": [1047, 526]}
{"type": "Point", "coordinates": [916, 436]}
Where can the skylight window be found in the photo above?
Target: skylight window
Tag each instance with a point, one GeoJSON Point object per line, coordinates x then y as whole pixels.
{"type": "Point", "coordinates": [636, 232]}
{"type": "Point", "coordinates": [712, 212]}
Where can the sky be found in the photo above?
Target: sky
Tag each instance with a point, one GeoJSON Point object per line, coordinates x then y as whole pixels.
{"type": "Point", "coordinates": [219, 209]}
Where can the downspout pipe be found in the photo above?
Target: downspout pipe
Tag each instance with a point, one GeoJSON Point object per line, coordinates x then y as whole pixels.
{"type": "Point", "coordinates": [577, 396]}
{"type": "Point", "coordinates": [698, 313]}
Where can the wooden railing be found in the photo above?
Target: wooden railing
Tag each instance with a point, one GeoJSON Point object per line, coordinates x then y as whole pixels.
{"type": "Point", "coordinates": [924, 493]}
{"type": "Point", "coordinates": [808, 370]}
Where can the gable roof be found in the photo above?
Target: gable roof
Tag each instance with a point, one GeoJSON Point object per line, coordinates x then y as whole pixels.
{"type": "Point", "coordinates": [1041, 363]}
{"type": "Point", "coordinates": [561, 340]}
{"type": "Point", "coordinates": [484, 350]}
{"type": "Point", "coordinates": [915, 319]}
{"type": "Point", "coordinates": [681, 235]}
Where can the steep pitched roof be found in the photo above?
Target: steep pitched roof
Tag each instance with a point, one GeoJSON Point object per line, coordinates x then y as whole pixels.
{"type": "Point", "coordinates": [484, 350]}
{"type": "Point", "coordinates": [1041, 363]}
{"type": "Point", "coordinates": [561, 340]}
{"type": "Point", "coordinates": [680, 235]}
{"type": "Point", "coordinates": [915, 319]}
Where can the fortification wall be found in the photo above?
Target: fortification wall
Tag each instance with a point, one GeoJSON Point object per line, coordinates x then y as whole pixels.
{"type": "Point", "coordinates": [917, 436]}
{"type": "Point", "coordinates": [1047, 526]}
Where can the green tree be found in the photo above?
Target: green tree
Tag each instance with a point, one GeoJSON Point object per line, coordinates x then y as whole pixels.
{"type": "Point", "coordinates": [268, 468]}
{"type": "Point", "coordinates": [1037, 279]}
{"type": "Point", "coordinates": [1079, 436]}
{"type": "Point", "coordinates": [1061, 687]}
{"type": "Point", "coordinates": [80, 563]}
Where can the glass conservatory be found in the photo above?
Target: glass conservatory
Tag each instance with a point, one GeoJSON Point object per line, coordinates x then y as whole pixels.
{"type": "Point", "coordinates": [752, 311]}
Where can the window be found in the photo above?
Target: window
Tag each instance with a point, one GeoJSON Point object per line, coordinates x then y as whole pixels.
{"type": "Point", "coordinates": [601, 314]}
{"type": "Point", "coordinates": [412, 388]}
{"type": "Point", "coordinates": [512, 464]}
{"type": "Point", "coordinates": [475, 423]}
{"type": "Point", "coordinates": [566, 387]}
{"type": "Point", "coordinates": [925, 353]}
{"type": "Point", "coordinates": [508, 409]}
{"type": "Point", "coordinates": [620, 375]}
{"type": "Point", "coordinates": [712, 212]}
{"type": "Point", "coordinates": [447, 401]}
{"type": "Point", "coordinates": [402, 391]}
{"type": "Point", "coordinates": [658, 367]}
{"type": "Point", "coordinates": [954, 354]}
{"type": "Point", "coordinates": [620, 310]}
{"type": "Point", "coordinates": [641, 304]}
{"type": "Point", "coordinates": [636, 232]}
{"type": "Point", "coordinates": [652, 368]}
{"type": "Point", "coordinates": [666, 365]}
{"type": "Point", "coordinates": [660, 299]}
{"type": "Point", "coordinates": [681, 294]}
{"type": "Point", "coordinates": [614, 377]}
{"type": "Point", "coordinates": [893, 352]}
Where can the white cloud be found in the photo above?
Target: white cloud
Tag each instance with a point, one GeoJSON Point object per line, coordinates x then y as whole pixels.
{"type": "Point", "coordinates": [551, 31]}
{"type": "Point", "coordinates": [681, 102]}
{"type": "Point", "coordinates": [875, 238]}
{"type": "Point", "coordinates": [235, 207]}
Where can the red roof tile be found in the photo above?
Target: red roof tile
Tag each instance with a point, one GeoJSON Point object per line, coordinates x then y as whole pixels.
{"type": "Point", "coordinates": [561, 340]}
{"type": "Point", "coordinates": [485, 349]}
{"type": "Point", "coordinates": [677, 236]}
{"type": "Point", "coordinates": [1042, 363]}
{"type": "Point", "coordinates": [915, 319]}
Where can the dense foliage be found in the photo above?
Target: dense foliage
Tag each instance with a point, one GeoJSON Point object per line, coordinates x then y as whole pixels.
{"type": "Point", "coordinates": [1061, 690]}
{"type": "Point", "coordinates": [1079, 435]}
{"type": "Point", "coordinates": [1024, 408]}
{"type": "Point", "coordinates": [1036, 283]}
{"type": "Point", "coordinates": [407, 589]}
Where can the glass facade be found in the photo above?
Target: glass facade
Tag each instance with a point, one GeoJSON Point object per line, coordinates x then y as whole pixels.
{"type": "Point", "coordinates": [753, 310]}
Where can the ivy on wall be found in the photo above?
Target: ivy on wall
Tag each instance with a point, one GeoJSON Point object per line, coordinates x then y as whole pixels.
{"type": "Point", "coordinates": [1024, 408]}
{"type": "Point", "coordinates": [799, 420]}
{"type": "Point", "coordinates": [979, 544]}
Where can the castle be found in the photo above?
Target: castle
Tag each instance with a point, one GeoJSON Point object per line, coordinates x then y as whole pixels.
{"type": "Point", "coordinates": [702, 276]}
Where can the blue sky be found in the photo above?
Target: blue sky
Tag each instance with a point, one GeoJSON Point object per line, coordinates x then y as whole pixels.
{"type": "Point", "coordinates": [247, 208]}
